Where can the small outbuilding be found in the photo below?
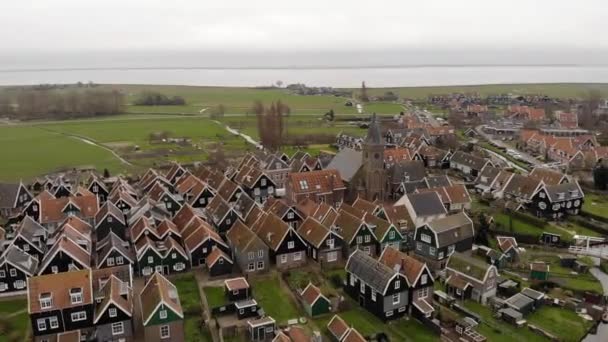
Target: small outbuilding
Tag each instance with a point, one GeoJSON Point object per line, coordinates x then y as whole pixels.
{"type": "Point", "coordinates": [315, 303]}
{"type": "Point", "coordinates": [218, 263]}
{"type": "Point", "coordinates": [521, 303]}
{"type": "Point", "coordinates": [537, 296]}
{"type": "Point", "coordinates": [539, 270]}
{"type": "Point", "coordinates": [237, 289]}
{"type": "Point", "coordinates": [567, 260]}
{"type": "Point", "coordinates": [511, 316]}
{"type": "Point", "coordinates": [246, 308]}
{"type": "Point", "coordinates": [262, 329]}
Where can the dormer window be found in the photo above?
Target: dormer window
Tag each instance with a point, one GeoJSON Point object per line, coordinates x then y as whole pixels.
{"type": "Point", "coordinates": [46, 300]}
{"type": "Point", "coordinates": [76, 295]}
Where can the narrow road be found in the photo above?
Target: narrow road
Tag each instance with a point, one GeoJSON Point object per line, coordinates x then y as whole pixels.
{"type": "Point", "coordinates": [525, 156]}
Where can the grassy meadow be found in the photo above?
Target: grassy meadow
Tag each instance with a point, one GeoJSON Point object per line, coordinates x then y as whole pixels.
{"type": "Point", "coordinates": [34, 148]}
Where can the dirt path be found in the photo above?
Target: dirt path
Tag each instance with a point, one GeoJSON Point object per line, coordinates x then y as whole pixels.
{"type": "Point", "coordinates": [92, 142]}
{"type": "Point", "coordinates": [201, 280]}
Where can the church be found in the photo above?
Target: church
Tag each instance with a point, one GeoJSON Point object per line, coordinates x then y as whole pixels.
{"type": "Point", "coordinates": [363, 171]}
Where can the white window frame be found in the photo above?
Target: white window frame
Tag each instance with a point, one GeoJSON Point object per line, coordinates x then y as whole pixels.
{"type": "Point", "coordinates": [110, 261]}
{"type": "Point", "coordinates": [260, 265]}
{"type": "Point", "coordinates": [283, 258]}
{"type": "Point", "coordinates": [120, 260]}
{"type": "Point", "coordinates": [397, 297]}
{"type": "Point", "coordinates": [2, 274]}
{"type": "Point", "coordinates": [76, 298]}
{"type": "Point", "coordinates": [53, 322]}
{"type": "Point", "coordinates": [150, 259]}
{"type": "Point", "coordinates": [251, 267]}
{"type": "Point", "coordinates": [297, 256]}
{"type": "Point", "coordinates": [423, 279]}
{"type": "Point", "coordinates": [112, 312]}
{"type": "Point", "coordinates": [425, 238]}
{"type": "Point", "coordinates": [261, 253]}
{"type": "Point", "coordinates": [373, 295]}
{"type": "Point", "coordinates": [162, 314]}
{"type": "Point", "coordinates": [332, 256]}
{"type": "Point", "coordinates": [361, 287]}
{"type": "Point", "coordinates": [368, 238]}
{"type": "Point", "coordinates": [78, 316]}
{"type": "Point", "coordinates": [391, 234]}
{"type": "Point", "coordinates": [13, 272]}
{"type": "Point", "coordinates": [359, 240]}
{"type": "Point", "coordinates": [41, 323]}
{"type": "Point", "coordinates": [167, 333]}
{"type": "Point", "coordinates": [118, 328]}
{"type": "Point", "coordinates": [291, 244]}
{"type": "Point", "coordinates": [397, 284]}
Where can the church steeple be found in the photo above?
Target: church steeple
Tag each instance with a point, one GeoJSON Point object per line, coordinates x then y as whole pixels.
{"type": "Point", "coordinates": [374, 136]}
{"type": "Point", "coordinates": [373, 162]}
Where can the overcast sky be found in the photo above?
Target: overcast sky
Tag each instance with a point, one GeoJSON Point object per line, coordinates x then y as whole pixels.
{"type": "Point", "coordinates": [310, 24]}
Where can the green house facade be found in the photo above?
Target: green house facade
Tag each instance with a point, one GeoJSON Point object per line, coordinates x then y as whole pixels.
{"type": "Point", "coordinates": [314, 302]}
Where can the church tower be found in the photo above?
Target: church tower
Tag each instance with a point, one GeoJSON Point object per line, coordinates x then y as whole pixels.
{"type": "Point", "coordinates": [373, 162]}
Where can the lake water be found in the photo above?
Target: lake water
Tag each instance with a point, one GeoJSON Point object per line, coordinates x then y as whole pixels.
{"type": "Point", "coordinates": [347, 77]}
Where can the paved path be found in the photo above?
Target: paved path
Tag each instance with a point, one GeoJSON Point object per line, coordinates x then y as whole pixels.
{"type": "Point", "coordinates": [247, 138]}
{"type": "Point", "coordinates": [602, 277]}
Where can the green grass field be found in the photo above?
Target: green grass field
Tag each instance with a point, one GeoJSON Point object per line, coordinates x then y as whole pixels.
{"type": "Point", "coordinates": [596, 204]}
{"type": "Point", "coordinates": [16, 327]}
{"type": "Point", "coordinates": [215, 296]}
{"type": "Point", "coordinates": [190, 299]}
{"type": "Point", "coordinates": [274, 298]}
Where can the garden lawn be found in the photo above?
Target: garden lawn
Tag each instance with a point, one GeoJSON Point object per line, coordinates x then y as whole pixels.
{"type": "Point", "coordinates": [383, 108]}
{"type": "Point", "coordinates": [368, 324]}
{"type": "Point", "coordinates": [497, 330]}
{"type": "Point", "coordinates": [596, 205]}
{"type": "Point", "coordinates": [18, 325]}
{"type": "Point", "coordinates": [190, 299]}
{"type": "Point", "coordinates": [561, 322]}
{"type": "Point", "coordinates": [216, 296]}
{"type": "Point", "coordinates": [274, 298]}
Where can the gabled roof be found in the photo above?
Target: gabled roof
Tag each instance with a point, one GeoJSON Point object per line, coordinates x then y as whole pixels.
{"type": "Point", "coordinates": [364, 205]}
{"type": "Point", "coordinates": [200, 234]}
{"type": "Point", "coordinates": [564, 192]}
{"type": "Point", "coordinates": [141, 226]}
{"type": "Point", "coordinates": [452, 228]}
{"type": "Point", "coordinates": [347, 162]}
{"type": "Point", "coordinates": [172, 173]}
{"type": "Point", "coordinates": [437, 181]}
{"type": "Point", "coordinates": [548, 176]}
{"type": "Point", "coordinates": [186, 183]}
{"type": "Point", "coordinates": [185, 214]}
{"type": "Point", "coordinates": [522, 186]}
{"type": "Point", "coordinates": [337, 327]}
{"type": "Point", "coordinates": [19, 259]}
{"type": "Point", "coordinates": [32, 232]}
{"type": "Point", "coordinates": [313, 232]}
{"type": "Point", "coordinates": [318, 181]}
{"type": "Point", "coordinates": [506, 242]}
{"type": "Point", "coordinates": [79, 225]}
{"type": "Point", "coordinates": [8, 194]}
{"type": "Point", "coordinates": [271, 229]}
{"type": "Point", "coordinates": [228, 189]}
{"type": "Point", "coordinates": [217, 209]}
{"type": "Point", "coordinates": [469, 267]}
{"type": "Point", "coordinates": [311, 294]}
{"type": "Point", "coordinates": [469, 160]}
{"type": "Point", "coordinates": [242, 239]}
{"type": "Point", "coordinates": [111, 243]}
{"type": "Point", "coordinates": [407, 171]}
{"type": "Point", "coordinates": [233, 284]}
{"type": "Point", "coordinates": [159, 291]}
{"type": "Point", "coordinates": [424, 204]}
{"type": "Point", "coordinates": [354, 336]}
{"type": "Point", "coordinates": [410, 267]}
{"type": "Point", "coordinates": [382, 227]}
{"type": "Point", "coordinates": [369, 270]}
{"type": "Point", "coordinates": [215, 255]}
{"type": "Point", "coordinates": [69, 247]}
{"type": "Point", "coordinates": [279, 207]}
{"type": "Point", "coordinates": [347, 225]}
{"type": "Point", "coordinates": [51, 210]}
{"type": "Point", "coordinates": [109, 209]}
{"type": "Point", "coordinates": [58, 286]}
{"type": "Point", "coordinates": [398, 215]}
{"type": "Point", "coordinates": [243, 205]}
{"type": "Point", "coordinates": [113, 293]}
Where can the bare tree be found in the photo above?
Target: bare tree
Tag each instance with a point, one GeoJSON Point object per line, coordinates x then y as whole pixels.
{"type": "Point", "coordinates": [363, 96]}
{"type": "Point", "coordinates": [590, 103]}
{"type": "Point", "coordinates": [270, 124]}
{"type": "Point", "coordinates": [279, 83]}
{"type": "Point", "coordinates": [217, 157]}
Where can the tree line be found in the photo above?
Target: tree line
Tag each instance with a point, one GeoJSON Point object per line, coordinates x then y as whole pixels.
{"type": "Point", "coordinates": [31, 104]}
{"type": "Point", "coordinates": [152, 98]}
